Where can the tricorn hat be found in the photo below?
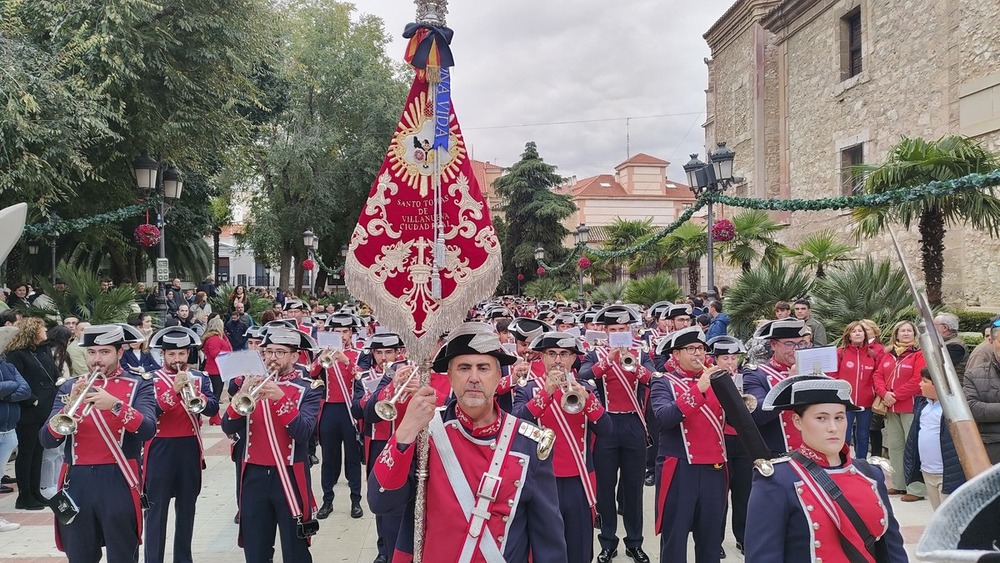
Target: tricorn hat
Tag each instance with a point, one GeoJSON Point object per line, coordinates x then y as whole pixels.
{"type": "Point", "coordinates": [132, 335]}
{"type": "Point", "coordinates": [656, 309]}
{"type": "Point", "coordinates": [282, 323]}
{"type": "Point", "coordinates": [782, 328]}
{"type": "Point", "coordinates": [526, 329]}
{"type": "Point", "coordinates": [343, 320]}
{"type": "Point", "coordinates": [680, 339]}
{"type": "Point", "coordinates": [617, 315]}
{"type": "Point", "coordinates": [805, 390]}
{"type": "Point", "coordinates": [175, 338]}
{"type": "Point", "coordinates": [294, 304]}
{"type": "Point", "coordinates": [553, 339]}
{"type": "Point", "coordinates": [385, 340]}
{"type": "Point", "coordinates": [471, 338]}
{"type": "Point", "coordinates": [289, 337]}
{"type": "Point", "coordinates": [103, 335]}
{"type": "Point", "coordinates": [725, 344]}
{"type": "Point", "coordinates": [677, 310]}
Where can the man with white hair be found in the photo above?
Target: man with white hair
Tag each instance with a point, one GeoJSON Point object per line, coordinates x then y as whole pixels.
{"type": "Point", "coordinates": [947, 327]}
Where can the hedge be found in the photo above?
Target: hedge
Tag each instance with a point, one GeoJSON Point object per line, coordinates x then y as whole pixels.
{"type": "Point", "coordinates": [971, 321]}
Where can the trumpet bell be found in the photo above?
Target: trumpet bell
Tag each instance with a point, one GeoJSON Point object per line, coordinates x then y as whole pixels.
{"type": "Point", "coordinates": [326, 362]}
{"type": "Point", "coordinates": [195, 405]}
{"type": "Point", "coordinates": [749, 401]}
{"type": "Point", "coordinates": [572, 402]}
{"type": "Point", "coordinates": [63, 424]}
{"type": "Point", "coordinates": [386, 410]}
{"type": "Point", "coordinates": [629, 362]}
{"type": "Point", "coordinates": [244, 404]}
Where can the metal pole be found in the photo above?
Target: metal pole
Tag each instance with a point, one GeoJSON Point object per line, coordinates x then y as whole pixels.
{"type": "Point", "coordinates": [53, 278]}
{"type": "Point", "coordinates": [161, 297]}
{"type": "Point", "coordinates": [711, 254]}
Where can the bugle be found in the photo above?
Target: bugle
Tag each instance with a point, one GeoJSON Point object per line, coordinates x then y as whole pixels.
{"type": "Point", "coordinates": [66, 424]}
{"type": "Point", "coordinates": [573, 398]}
{"type": "Point", "coordinates": [193, 403]}
{"type": "Point", "coordinates": [628, 360]}
{"type": "Point", "coordinates": [245, 402]}
{"type": "Point", "coordinates": [386, 409]}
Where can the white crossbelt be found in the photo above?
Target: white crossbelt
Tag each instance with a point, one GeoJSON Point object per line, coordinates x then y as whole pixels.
{"type": "Point", "coordinates": [476, 508]}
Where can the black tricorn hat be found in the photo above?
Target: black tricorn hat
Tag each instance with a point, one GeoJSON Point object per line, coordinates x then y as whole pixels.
{"type": "Point", "coordinates": [131, 334]}
{"type": "Point", "coordinates": [282, 323]}
{"type": "Point", "coordinates": [294, 304]}
{"type": "Point", "coordinates": [805, 390]}
{"type": "Point", "coordinates": [782, 328]}
{"type": "Point", "coordinates": [343, 320]}
{"type": "Point", "coordinates": [565, 318]}
{"type": "Point", "coordinates": [617, 315]}
{"type": "Point", "coordinates": [385, 340]}
{"type": "Point", "coordinates": [677, 310]}
{"type": "Point", "coordinates": [289, 337]}
{"type": "Point", "coordinates": [554, 339]}
{"type": "Point", "coordinates": [471, 338]}
{"type": "Point", "coordinates": [526, 329]}
{"type": "Point", "coordinates": [255, 333]}
{"type": "Point", "coordinates": [679, 339]}
{"type": "Point", "coordinates": [103, 335]}
{"type": "Point", "coordinates": [656, 309]}
{"type": "Point", "coordinates": [725, 345]}
{"type": "Point", "coordinates": [175, 338]}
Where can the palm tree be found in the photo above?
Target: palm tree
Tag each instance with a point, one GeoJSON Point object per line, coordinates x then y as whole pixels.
{"type": "Point", "coordinates": [650, 289]}
{"type": "Point", "coordinates": [819, 249]}
{"type": "Point", "coordinates": [83, 298]}
{"type": "Point", "coordinates": [754, 294]}
{"type": "Point", "coordinates": [688, 243]}
{"type": "Point", "coordinates": [623, 233]}
{"type": "Point", "coordinates": [914, 162]}
{"type": "Point", "coordinates": [863, 289]}
{"type": "Point", "coordinates": [608, 292]}
{"type": "Point", "coordinates": [754, 240]}
{"type": "Point", "coordinates": [545, 288]}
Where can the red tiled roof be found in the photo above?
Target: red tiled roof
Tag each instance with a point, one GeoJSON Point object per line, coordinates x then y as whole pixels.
{"type": "Point", "coordinates": [643, 159]}
{"type": "Point", "coordinates": [479, 169]}
{"type": "Point", "coordinates": [603, 185]}
{"type": "Point", "coordinates": [228, 231]}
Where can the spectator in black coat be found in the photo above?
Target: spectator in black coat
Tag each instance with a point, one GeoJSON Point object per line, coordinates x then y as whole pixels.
{"type": "Point", "coordinates": [13, 390]}
{"type": "Point", "coordinates": [235, 329]}
{"type": "Point", "coordinates": [29, 354]}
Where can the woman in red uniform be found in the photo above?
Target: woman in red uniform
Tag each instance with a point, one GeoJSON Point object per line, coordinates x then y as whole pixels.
{"type": "Point", "coordinates": [820, 503]}
{"type": "Point", "coordinates": [856, 361]}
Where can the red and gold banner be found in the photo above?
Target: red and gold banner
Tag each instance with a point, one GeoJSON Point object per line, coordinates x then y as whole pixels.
{"type": "Point", "coordinates": [391, 263]}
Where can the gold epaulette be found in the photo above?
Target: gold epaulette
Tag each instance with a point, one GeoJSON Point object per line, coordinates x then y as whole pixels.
{"type": "Point", "coordinates": [766, 466]}
{"type": "Point", "coordinates": [316, 384]}
{"type": "Point", "coordinates": [545, 437]}
{"type": "Point", "coordinates": [882, 463]}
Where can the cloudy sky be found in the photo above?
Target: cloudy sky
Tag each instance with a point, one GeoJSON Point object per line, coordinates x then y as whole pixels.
{"type": "Point", "coordinates": [567, 73]}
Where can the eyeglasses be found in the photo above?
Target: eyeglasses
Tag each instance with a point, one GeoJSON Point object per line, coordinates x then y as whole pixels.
{"type": "Point", "coordinates": [694, 349]}
{"type": "Point", "coordinates": [798, 345]}
{"type": "Point", "coordinates": [275, 353]}
{"type": "Point", "coordinates": [561, 355]}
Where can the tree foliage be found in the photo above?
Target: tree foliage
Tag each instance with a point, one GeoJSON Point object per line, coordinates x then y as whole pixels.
{"type": "Point", "coordinates": [623, 233]}
{"type": "Point", "coordinates": [318, 158]}
{"type": "Point", "coordinates": [534, 215]}
{"type": "Point", "coordinates": [862, 289]}
{"type": "Point", "coordinates": [753, 295]}
{"type": "Point", "coordinates": [650, 289]}
{"type": "Point", "coordinates": [754, 241]}
{"type": "Point", "coordinates": [687, 244]}
{"type": "Point", "coordinates": [820, 250]}
{"type": "Point", "coordinates": [914, 162]}
{"type": "Point", "coordinates": [83, 298]}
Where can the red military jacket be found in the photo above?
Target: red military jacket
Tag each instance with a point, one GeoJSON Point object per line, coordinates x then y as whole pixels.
{"type": "Point", "coordinates": [375, 427]}
{"type": "Point", "coordinates": [777, 372]}
{"type": "Point", "coordinates": [174, 420]}
{"type": "Point", "coordinates": [336, 373]}
{"type": "Point", "coordinates": [619, 384]}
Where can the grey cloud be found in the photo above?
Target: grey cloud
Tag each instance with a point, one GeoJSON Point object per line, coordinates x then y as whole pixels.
{"type": "Point", "coordinates": [542, 61]}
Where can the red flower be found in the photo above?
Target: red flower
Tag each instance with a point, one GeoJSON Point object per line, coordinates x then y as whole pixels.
{"type": "Point", "coordinates": [147, 235]}
{"type": "Point", "coordinates": [723, 230]}
{"type": "Point", "coordinates": [308, 264]}
{"type": "Point", "coordinates": [583, 263]}
{"type": "Point", "coordinates": [540, 271]}
{"type": "Point", "coordinates": [520, 277]}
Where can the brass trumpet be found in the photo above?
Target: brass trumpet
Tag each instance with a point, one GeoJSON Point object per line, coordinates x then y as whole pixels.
{"type": "Point", "coordinates": [245, 402]}
{"type": "Point", "coordinates": [326, 358]}
{"type": "Point", "coordinates": [573, 399]}
{"type": "Point", "coordinates": [628, 360]}
{"type": "Point", "coordinates": [66, 424]}
{"type": "Point", "coordinates": [386, 409]}
{"type": "Point", "coordinates": [749, 401]}
{"type": "Point", "coordinates": [192, 402]}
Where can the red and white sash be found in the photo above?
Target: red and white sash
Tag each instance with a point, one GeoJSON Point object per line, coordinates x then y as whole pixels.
{"type": "Point", "coordinates": [629, 387]}
{"type": "Point", "coordinates": [578, 459]}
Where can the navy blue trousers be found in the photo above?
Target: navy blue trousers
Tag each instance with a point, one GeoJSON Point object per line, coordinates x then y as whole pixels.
{"type": "Point", "coordinates": [621, 453]}
{"type": "Point", "coordinates": [173, 471]}
{"type": "Point", "coordinates": [336, 431]}
{"type": "Point", "coordinates": [695, 504]}
{"type": "Point", "coordinates": [263, 509]}
{"type": "Point", "coordinates": [740, 468]}
{"type": "Point", "coordinates": [107, 516]}
{"type": "Point", "coordinates": [577, 520]}
{"type": "Point", "coordinates": [387, 525]}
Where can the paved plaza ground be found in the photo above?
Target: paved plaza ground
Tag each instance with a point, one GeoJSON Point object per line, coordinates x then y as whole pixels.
{"type": "Point", "coordinates": [340, 539]}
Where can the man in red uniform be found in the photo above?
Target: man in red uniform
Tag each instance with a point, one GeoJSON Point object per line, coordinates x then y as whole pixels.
{"type": "Point", "coordinates": [491, 492]}
{"type": "Point", "coordinates": [275, 485]}
{"type": "Point", "coordinates": [575, 424]}
{"type": "Point", "coordinates": [524, 331]}
{"type": "Point", "coordinates": [175, 456]}
{"type": "Point", "coordinates": [101, 472]}
{"type": "Point", "coordinates": [337, 426]}
{"type": "Point", "coordinates": [691, 464]}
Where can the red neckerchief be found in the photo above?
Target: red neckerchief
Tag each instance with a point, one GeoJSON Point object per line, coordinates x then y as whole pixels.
{"type": "Point", "coordinates": [778, 365]}
{"type": "Point", "coordinates": [485, 431]}
{"type": "Point", "coordinates": [685, 374]}
{"type": "Point", "coordinates": [821, 459]}
{"type": "Point", "coordinates": [288, 376]}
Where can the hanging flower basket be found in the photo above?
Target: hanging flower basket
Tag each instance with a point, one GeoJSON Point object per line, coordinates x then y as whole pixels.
{"type": "Point", "coordinates": [540, 271]}
{"type": "Point", "coordinates": [147, 235]}
{"type": "Point", "coordinates": [723, 230]}
{"type": "Point", "coordinates": [583, 263]}
{"type": "Point", "coordinates": [308, 264]}
{"type": "Point", "coordinates": [520, 277]}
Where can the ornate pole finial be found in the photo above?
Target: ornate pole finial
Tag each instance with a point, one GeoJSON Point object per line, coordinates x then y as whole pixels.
{"type": "Point", "coordinates": [432, 12]}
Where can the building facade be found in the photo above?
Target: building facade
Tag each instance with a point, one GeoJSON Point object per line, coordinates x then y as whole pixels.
{"type": "Point", "coordinates": [804, 89]}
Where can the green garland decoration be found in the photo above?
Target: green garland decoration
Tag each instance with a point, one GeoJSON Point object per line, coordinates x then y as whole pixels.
{"type": "Point", "coordinates": [43, 230]}
{"type": "Point", "coordinates": [883, 199]}
{"type": "Point", "coordinates": [324, 267]}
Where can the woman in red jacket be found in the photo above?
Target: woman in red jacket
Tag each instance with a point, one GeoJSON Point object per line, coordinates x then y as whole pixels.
{"type": "Point", "coordinates": [856, 361]}
{"type": "Point", "coordinates": [897, 381]}
{"type": "Point", "coordinates": [214, 343]}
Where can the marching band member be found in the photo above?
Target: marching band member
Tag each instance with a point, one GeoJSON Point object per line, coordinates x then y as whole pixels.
{"type": "Point", "coordinates": [337, 427]}
{"type": "Point", "coordinates": [175, 456]}
{"type": "Point", "coordinates": [524, 331]}
{"type": "Point", "coordinates": [679, 316]}
{"type": "Point", "coordinates": [254, 336]}
{"type": "Point", "coordinates": [820, 504]}
{"type": "Point", "coordinates": [275, 485]}
{"type": "Point", "coordinates": [785, 336]}
{"type": "Point", "coordinates": [691, 464]}
{"type": "Point", "coordinates": [725, 351]}
{"type": "Point", "coordinates": [621, 452]}
{"type": "Point", "coordinates": [384, 349]}
{"type": "Point", "coordinates": [565, 322]}
{"type": "Point", "coordinates": [115, 413]}
{"type": "Point", "coordinates": [663, 362]}
{"type": "Point", "coordinates": [491, 492]}
{"type": "Point", "coordinates": [546, 401]}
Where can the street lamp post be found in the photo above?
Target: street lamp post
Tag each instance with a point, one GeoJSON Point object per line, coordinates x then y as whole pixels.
{"type": "Point", "coordinates": [169, 185]}
{"type": "Point", "coordinates": [343, 274]}
{"type": "Point", "coordinates": [582, 237]}
{"type": "Point", "coordinates": [310, 241]}
{"type": "Point", "coordinates": [54, 239]}
{"type": "Point", "coordinates": [716, 176]}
